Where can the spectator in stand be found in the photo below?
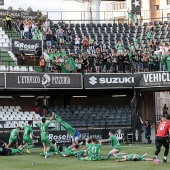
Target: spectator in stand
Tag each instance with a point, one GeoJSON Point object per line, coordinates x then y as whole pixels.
{"type": "Point", "coordinates": [91, 45]}
{"type": "Point", "coordinates": [60, 33]}
{"type": "Point", "coordinates": [45, 105]}
{"type": "Point", "coordinates": [85, 63]}
{"type": "Point", "coordinates": [165, 110]}
{"type": "Point", "coordinates": [37, 105]}
{"type": "Point", "coordinates": [41, 36]}
{"type": "Point", "coordinates": [38, 53]}
{"type": "Point", "coordinates": [26, 30]}
{"type": "Point", "coordinates": [136, 21]}
{"type": "Point", "coordinates": [69, 35]}
{"type": "Point", "coordinates": [120, 48]}
{"type": "Point", "coordinates": [47, 25]}
{"type": "Point", "coordinates": [91, 62]}
{"type": "Point", "coordinates": [77, 43]}
{"type": "Point", "coordinates": [113, 68]}
{"type": "Point", "coordinates": [35, 36]}
{"type": "Point", "coordinates": [85, 42]}
{"type": "Point", "coordinates": [48, 40]}
{"type": "Point", "coordinates": [42, 63]}
{"type": "Point", "coordinates": [130, 16]}
{"type": "Point", "coordinates": [145, 63]}
{"type": "Point", "coordinates": [126, 62]}
{"type": "Point", "coordinates": [97, 63]}
{"type": "Point", "coordinates": [23, 59]}
{"type": "Point", "coordinates": [149, 32]}
{"type": "Point", "coordinates": [151, 62]}
{"type": "Point", "coordinates": [166, 48]}
{"type": "Point", "coordinates": [8, 21]}
{"type": "Point", "coordinates": [21, 27]}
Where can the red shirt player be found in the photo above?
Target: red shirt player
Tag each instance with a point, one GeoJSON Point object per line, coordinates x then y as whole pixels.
{"type": "Point", "coordinates": [161, 138]}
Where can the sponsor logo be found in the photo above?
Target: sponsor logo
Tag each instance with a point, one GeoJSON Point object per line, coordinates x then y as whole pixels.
{"type": "Point", "coordinates": [119, 134]}
{"type": "Point", "coordinates": [60, 138]}
{"type": "Point", "coordinates": [92, 80]}
{"type": "Point", "coordinates": [115, 80]}
{"type": "Point", "coordinates": [25, 46]}
{"type": "Point", "coordinates": [45, 80]}
{"type": "Point", "coordinates": [156, 78]}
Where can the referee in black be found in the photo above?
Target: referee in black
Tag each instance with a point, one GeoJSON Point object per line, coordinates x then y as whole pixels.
{"type": "Point", "coordinates": [8, 21]}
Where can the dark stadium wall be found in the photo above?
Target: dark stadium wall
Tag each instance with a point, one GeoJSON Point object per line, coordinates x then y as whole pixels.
{"type": "Point", "coordinates": [146, 106]}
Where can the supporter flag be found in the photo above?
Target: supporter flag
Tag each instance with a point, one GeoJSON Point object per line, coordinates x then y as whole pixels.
{"type": "Point", "coordinates": [68, 66]}
{"type": "Point", "coordinates": [136, 7]}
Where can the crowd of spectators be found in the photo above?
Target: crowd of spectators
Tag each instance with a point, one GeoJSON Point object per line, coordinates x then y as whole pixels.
{"type": "Point", "coordinates": [91, 57]}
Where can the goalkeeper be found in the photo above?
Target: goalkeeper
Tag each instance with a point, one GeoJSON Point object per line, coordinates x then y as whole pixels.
{"type": "Point", "coordinates": [75, 134]}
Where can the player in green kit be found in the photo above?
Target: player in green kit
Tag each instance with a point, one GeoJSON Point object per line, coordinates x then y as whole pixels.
{"type": "Point", "coordinates": [93, 151]}
{"type": "Point", "coordinates": [28, 135]}
{"type": "Point", "coordinates": [44, 133]}
{"type": "Point", "coordinates": [14, 136]}
{"type": "Point", "coordinates": [132, 157]}
{"type": "Point", "coordinates": [114, 142]}
{"type": "Point", "coordinates": [75, 134]}
{"type": "Point", "coordinates": [53, 149]}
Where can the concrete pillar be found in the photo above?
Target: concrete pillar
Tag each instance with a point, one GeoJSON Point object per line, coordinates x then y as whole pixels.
{"type": "Point", "coordinates": [95, 7]}
{"type": "Point", "coordinates": [87, 10]}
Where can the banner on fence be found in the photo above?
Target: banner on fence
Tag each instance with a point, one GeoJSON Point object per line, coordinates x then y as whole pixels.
{"type": "Point", "coordinates": [28, 46]}
{"type": "Point", "coordinates": [16, 14]}
{"type": "Point", "coordinates": [43, 81]}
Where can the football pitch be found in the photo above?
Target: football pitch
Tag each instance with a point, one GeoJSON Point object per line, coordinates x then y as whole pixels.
{"type": "Point", "coordinates": [35, 162]}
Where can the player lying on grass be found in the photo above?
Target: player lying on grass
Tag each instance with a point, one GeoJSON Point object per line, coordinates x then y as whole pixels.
{"type": "Point", "coordinates": [14, 136]}
{"type": "Point", "coordinates": [93, 151]}
{"type": "Point", "coordinates": [4, 151]}
{"type": "Point", "coordinates": [132, 157]}
{"type": "Point", "coordinates": [28, 135]}
{"type": "Point", "coordinates": [73, 150]}
{"type": "Point", "coordinates": [44, 133]}
{"type": "Point", "coordinates": [114, 142]}
{"type": "Point", "coordinates": [75, 134]}
{"type": "Point", "coordinates": [53, 149]}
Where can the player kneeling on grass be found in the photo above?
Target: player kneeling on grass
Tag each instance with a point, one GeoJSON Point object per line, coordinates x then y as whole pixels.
{"type": "Point", "coordinates": [44, 133]}
{"type": "Point", "coordinates": [114, 142]}
{"type": "Point", "coordinates": [28, 135]}
{"type": "Point", "coordinates": [53, 149]}
{"type": "Point", "coordinates": [132, 157]}
{"type": "Point", "coordinates": [14, 136]}
{"type": "Point", "coordinates": [4, 151]}
{"type": "Point", "coordinates": [93, 151]}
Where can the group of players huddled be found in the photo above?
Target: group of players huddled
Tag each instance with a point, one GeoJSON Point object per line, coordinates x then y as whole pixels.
{"type": "Point", "coordinates": [91, 151]}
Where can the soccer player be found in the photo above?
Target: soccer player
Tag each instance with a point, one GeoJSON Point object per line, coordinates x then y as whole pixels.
{"type": "Point", "coordinates": [28, 135]}
{"type": "Point", "coordinates": [75, 134]}
{"type": "Point", "coordinates": [114, 142]}
{"type": "Point", "coordinates": [132, 157]}
{"type": "Point", "coordinates": [161, 138]}
{"type": "Point", "coordinates": [14, 136]}
{"type": "Point", "coordinates": [44, 133]}
{"type": "Point", "coordinates": [53, 149]}
{"type": "Point", "coordinates": [93, 151]}
{"type": "Point", "coordinates": [4, 151]}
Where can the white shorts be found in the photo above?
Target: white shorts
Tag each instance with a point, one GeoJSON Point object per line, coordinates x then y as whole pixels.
{"type": "Point", "coordinates": [75, 138]}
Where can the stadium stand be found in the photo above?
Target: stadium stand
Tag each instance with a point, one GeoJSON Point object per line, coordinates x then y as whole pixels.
{"type": "Point", "coordinates": [94, 116]}
{"type": "Point", "coordinates": [12, 116]}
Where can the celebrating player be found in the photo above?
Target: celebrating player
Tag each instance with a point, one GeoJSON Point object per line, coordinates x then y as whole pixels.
{"type": "Point", "coordinates": [132, 157]}
{"type": "Point", "coordinates": [44, 133]}
{"type": "Point", "coordinates": [114, 142]}
{"type": "Point", "coordinates": [161, 138]}
{"type": "Point", "coordinates": [28, 135]}
{"type": "Point", "coordinates": [93, 151]}
{"type": "Point", "coordinates": [75, 134]}
{"type": "Point", "coordinates": [53, 149]}
{"type": "Point", "coordinates": [14, 136]}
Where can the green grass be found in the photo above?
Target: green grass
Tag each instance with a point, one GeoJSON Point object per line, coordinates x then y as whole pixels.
{"type": "Point", "coordinates": [20, 162]}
